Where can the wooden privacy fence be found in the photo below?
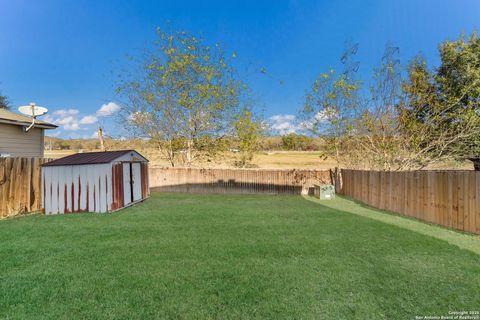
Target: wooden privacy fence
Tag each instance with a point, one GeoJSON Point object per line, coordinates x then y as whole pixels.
{"type": "Point", "coordinates": [448, 198]}
{"type": "Point", "coordinates": [236, 180]}
{"type": "Point", "coordinates": [20, 185]}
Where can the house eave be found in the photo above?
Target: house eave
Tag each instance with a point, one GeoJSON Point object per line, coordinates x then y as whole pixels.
{"type": "Point", "coordinates": [26, 124]}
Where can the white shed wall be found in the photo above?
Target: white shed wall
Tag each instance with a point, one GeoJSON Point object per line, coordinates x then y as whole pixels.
{"type": "Point", "coordinates": [77, 188]}
{"type": "Point", "coordinates": [132, 156]}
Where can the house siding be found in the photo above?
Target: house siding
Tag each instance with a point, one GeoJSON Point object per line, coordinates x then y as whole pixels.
{"type": "Point", "coordinates": [17, 143]}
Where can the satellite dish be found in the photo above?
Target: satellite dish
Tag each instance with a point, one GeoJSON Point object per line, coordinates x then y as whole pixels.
{"type": "Point", "coordinates": [33, 111]}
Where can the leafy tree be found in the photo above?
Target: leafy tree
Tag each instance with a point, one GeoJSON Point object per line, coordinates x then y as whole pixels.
{"type": "Point", "coordinates": [432, 116]}
{"type": "Point", "coordinates": [4, 102]}
{"type": "Point", "coordinates": [248, 131]}
{"type": "Point", "coordinates": [62, 145]}
{"type": "Point", "coordinates": [440, 117]}
{"type": "Point", "coordinates": [184, 93]}
{"type": "Point", "coordinates": [330, 110]}
{"type": "Point", "coordinates": [295, 141]}
{"type": "Point", "coordinates": [458, 81]}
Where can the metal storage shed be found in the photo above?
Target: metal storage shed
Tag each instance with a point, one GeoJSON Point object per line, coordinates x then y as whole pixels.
{"type": "Point", "coordinates": [94, 182]}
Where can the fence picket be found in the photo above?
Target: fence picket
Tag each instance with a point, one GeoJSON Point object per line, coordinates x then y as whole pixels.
{"type": "Point", "coordinates": [236, 180]}
{"type": "Point", "coordinates": [20, 186]}
{"type": "Point", "coordinates": [448, 198]}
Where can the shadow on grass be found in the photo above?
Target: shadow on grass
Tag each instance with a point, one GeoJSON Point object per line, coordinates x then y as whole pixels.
{"type": "Point", "coordinates": [462, 240]}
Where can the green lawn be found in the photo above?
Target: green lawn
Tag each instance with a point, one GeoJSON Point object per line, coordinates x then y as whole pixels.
{"type": "Point", "coordinates": [234, 257]}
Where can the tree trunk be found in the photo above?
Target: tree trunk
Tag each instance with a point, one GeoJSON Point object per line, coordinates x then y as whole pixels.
{"type": "Point", "coordinates": [337, 179]}
{"type": "Point", "coordinates": [100, 138]}
{"type": "Point", "coordinates": [189, 152]}
{"type": "Point", "coordinates": [171, 155]}
{"type": "Point", "coordinates": [168, 153]}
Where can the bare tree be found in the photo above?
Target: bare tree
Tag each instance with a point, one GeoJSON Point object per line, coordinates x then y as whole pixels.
{"type": "Point", "coordinates": [377, 126]}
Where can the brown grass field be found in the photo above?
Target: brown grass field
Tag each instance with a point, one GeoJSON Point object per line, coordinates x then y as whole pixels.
{"type": "Point", "coordinates": [266, 160]}
{"type": "Point", "coordinates": [262, 160]}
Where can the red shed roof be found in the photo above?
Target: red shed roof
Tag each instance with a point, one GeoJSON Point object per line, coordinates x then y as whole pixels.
{"type": "Point", "coordinates": [89, 158]}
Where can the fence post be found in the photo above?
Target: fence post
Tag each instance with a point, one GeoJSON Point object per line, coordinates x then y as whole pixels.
{"type": "Point", "coordinates": [337, 180]}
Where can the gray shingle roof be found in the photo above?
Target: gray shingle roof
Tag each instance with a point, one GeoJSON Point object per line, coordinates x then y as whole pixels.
{"type": "Point", "coordinates": [10, 117]}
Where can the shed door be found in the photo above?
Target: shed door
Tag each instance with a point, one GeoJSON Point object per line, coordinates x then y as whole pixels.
{"type": "Point", "coordinates": [137, 181]}
{"type": "Point", "coordinates": [127, 183]}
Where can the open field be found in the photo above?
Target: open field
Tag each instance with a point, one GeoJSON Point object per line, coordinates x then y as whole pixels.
{"type": "Point", "coordinates": [262, 160]}
{"type": "Point", "coordinates": [235, 257]}
{"type": "Point", "coordinates": [267, 160]}
{"type": "Point", "coordinates": [292, 159]}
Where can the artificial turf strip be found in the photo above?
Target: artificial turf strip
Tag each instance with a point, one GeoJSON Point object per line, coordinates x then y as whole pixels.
{"type": "Point", "coordinates": [229, 257]}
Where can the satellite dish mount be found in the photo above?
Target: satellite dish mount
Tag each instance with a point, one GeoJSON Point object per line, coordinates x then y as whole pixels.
{"type": "Point", "coordinates": [33, 111]}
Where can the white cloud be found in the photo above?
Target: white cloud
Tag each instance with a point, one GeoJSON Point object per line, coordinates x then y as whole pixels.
{"type": "Point", "coordinates": [88, 119]}
{"type": "Point", "coordinates": [69, 120]}
{"type": "Point", "coordinates": [69, 123]}
{"type": "Point", "coordinates": [108, 109]}
{"type": "Point", "coordinates": [48, 118]}
{"type": "Point", "coordinates": [53, 134]}
{"type": "Point", "coordinates": [317, 119]}
{"type": "Point", "coordinates": [284, 123]}
{"type": "Point", "coordinates": [66, 112]}
{"type": "Point", "coordinates": [288, 123]}
{"type": "Point", "coordinates": [283, 117]}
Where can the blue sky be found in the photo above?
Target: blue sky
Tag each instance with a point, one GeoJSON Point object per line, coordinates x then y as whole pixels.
{"type": "Point", "coordinates": [65, 55]}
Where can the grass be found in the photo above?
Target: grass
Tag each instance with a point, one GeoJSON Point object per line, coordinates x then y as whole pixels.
{"type": "Point", "coordinates": [232, 257]}
{"type": "Point", "coordinates": [460, 239]}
